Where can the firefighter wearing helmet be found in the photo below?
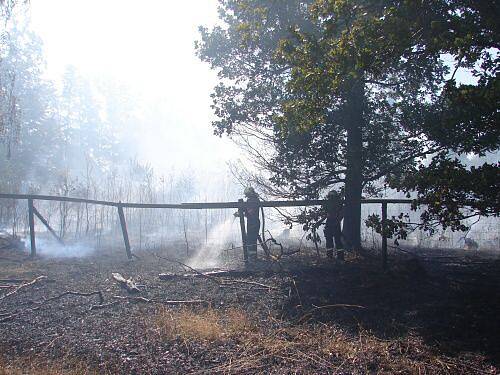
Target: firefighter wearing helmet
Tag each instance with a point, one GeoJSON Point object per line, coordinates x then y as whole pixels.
{"type": "Point", "coordinates": [253, 221]}
{"type": "Point", "coordinates": [334, 208]}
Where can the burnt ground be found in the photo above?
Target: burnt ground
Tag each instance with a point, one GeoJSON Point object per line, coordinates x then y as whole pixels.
{"type": "Point", "coordinates": [438, 313]}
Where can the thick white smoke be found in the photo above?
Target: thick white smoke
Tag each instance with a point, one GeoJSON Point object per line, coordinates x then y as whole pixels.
{"type": "Point", "coordinates": [219, 239]}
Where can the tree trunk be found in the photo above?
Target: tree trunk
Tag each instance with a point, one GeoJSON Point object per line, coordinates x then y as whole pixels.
{"type": "Point", "coordinates": [354, 179]}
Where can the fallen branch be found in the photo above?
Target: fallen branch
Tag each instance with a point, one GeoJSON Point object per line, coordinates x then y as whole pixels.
{"type": "Point", "coordinates": [218, 273]}
{"type": "Point", "coordinates": [103, 305]}
{"type": "Point", "coordinates": [127, 284]}
{"type": "Point", "coordinates": [222, 283]}
{"type": "Point", "coordinates": [210, 275]}
{"type": "Point", "coordinates": [191, 268]}
{"type": "Point", "coordinates": [166, 302]}
{"type": "Point", "coordinates": [72, 293]}
{"type": "Point", "coordinates": [33, 282]}
{"type": "Point", "coordinates": [229, 282]}
{"type": "Point", "coordinates": [335, 306]}
{"type": "Point", "coordinates": [13, 281]}
{"type": "Point", "coordinates": [223, 286]}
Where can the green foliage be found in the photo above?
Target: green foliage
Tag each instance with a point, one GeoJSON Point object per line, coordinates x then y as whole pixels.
{"type": "Point", "coordinates": [355, 92]}
{"type": "Point", "coordinates": [396, 227]}
{"type": "Point", "coordinates": [451, 192]}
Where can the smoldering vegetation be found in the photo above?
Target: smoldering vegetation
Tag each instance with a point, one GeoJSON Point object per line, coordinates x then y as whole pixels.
{"type": "Point", "coordinates": [306, 315]}
{"type": "Point", "coordinates": [186, 302]}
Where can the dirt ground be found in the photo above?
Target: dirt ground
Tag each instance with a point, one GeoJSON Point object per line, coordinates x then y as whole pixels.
{"type": "Point", "coordinates": [438, 313]}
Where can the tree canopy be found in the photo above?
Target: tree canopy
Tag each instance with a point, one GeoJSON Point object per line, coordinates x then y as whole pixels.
{"type": "Point", "coordinates": [331, 93]}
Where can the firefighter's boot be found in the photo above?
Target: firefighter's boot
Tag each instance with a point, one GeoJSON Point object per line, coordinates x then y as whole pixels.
{"type": "Point", "coordinates": [340, 255]}
{"type": "Point", "coordinates": [329, 253]}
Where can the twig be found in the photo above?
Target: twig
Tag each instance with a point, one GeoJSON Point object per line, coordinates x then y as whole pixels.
{"type": "Point", "coordinates": [297, 291]}
{"type": "Point", "coordinates": [136, 299]}
{"type": "Point", "coordinates": [166, 302]}
{"type": "Point", "coordinates": [72, 293]}
{"type": "Point", "coordinates": [33, 282]}
{"type": "Point", "coordinates": [335, 306]}
{"type": "Point", "coordinates": [191, 268]}
{"type": "Point", "coordinates": [315, 308]}
{"type": "Point", "coordinates": [229, 282]}
{"type": "Point", "coordinates": [223, 286]}
{"type": "Point", "coordinates": [103, 305]}
{"type": "Point", "coordinates": [223, 282]}
{"type": "Point", "coordinates": [13, 281]}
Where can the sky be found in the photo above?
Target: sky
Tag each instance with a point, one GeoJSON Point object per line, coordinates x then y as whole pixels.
{"type": "Point", "coordinates": [149, 47]}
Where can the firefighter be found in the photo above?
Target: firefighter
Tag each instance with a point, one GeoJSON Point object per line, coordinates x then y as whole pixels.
{"type": "Point", "coordinates": [253, 221]}
{"type": "Point", "coordinates": [334, 208]}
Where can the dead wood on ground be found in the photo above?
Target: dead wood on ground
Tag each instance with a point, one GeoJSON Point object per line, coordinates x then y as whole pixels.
{"type": "Point", "coordinates": [213, 276]}
{"type": "Point", "coordinates": [163, 302]}
{"type": "Point", "coordinates": [32, 282]}
{"type": "Point", "coordinates": [13, 281]}
{"type": "Point", "coordinates": [72, 293]}
{"type": "Point", "coordinates": [126, 284]}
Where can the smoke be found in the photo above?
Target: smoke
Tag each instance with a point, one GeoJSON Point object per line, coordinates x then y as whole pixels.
{"type": "Point", "coordinates": [219, 239]}
{"type": "Point", "coordinates": [50, 248]}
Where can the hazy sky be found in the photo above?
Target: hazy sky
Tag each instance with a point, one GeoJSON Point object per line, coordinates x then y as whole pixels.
{"type": "Point", "coordinates": [149, 46]}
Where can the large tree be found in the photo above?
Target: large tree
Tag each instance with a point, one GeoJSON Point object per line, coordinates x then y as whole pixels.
{"type": "Point", "coordinates": [344, 92]}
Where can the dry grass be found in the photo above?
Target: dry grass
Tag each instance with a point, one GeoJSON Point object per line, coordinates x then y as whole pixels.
{"type": "Point", "coordinates": [204, 325]}
{"type": "Point", "coordinates": [306, 348]}
{"type": "Point", "coordinates": [29, 366]}
{"type": "Point", "coordinates": [328, 349]}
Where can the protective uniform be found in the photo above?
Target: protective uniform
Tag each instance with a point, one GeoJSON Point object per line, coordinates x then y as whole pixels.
{"type": "Point", "coordinates": [334, 208]}
{"type": "Point", "coordinates": [253, 222]}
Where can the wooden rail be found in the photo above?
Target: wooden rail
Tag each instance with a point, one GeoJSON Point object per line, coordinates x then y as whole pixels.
{"type": "Point", "coordinates": [190, 206]}
{"type": "Point", "coordinates": [240, 205]}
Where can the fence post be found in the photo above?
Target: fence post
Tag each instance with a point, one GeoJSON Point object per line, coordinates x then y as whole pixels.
{"type": "Point", "coordinates": [384, 235]}
{"type": "Point", "coordinates": [243, 231]}
{"type": "Point", "coordinates": [31, 220]}
{"type": "Point", "coordinates": [123, 224]}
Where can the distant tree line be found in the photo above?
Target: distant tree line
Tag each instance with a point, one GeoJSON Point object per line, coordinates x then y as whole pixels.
{"type": "Point", "coordinates": [69, 138]}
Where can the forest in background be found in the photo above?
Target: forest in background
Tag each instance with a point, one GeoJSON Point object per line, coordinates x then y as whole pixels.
{"type": "Point", "coordinates": [78, 137]}
{"type": "Point", "coordinates": [75, 138]}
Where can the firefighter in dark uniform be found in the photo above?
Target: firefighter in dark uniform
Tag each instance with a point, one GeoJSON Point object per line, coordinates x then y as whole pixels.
{"type": "Point", "coordinates": [334, 208]}
{"type": "Point", "coordinates": [253, 221]}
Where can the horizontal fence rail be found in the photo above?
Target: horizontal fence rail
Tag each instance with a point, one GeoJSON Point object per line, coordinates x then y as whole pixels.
{"type": "Point", "coordinates": [193, 206]}
{"type": "Point", "coordinates": [240, 205]}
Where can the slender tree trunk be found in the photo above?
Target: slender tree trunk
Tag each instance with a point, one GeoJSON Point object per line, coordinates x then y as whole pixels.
{"type": "Point", "coordinates": [354, 176]}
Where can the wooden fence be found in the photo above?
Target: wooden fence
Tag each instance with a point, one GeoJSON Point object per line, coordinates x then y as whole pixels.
{"type": "Point", "coordinates": [239, 205]}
